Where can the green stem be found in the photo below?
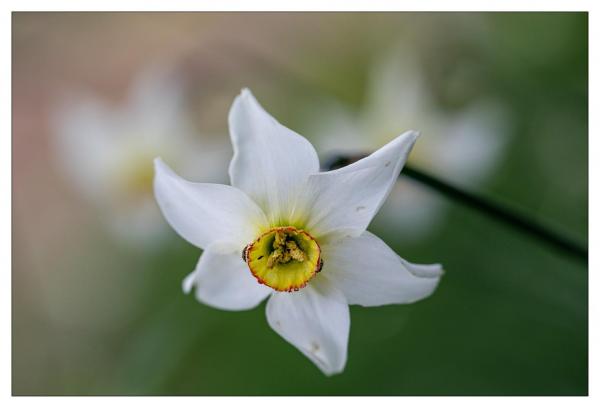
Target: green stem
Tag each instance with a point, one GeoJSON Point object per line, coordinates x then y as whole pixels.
{"type": "Point", "coordinates": [508, 216]}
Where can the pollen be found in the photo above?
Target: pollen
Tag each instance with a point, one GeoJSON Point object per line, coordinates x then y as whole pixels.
{"type": "Point", "coordinates": [284, 258]}
{"type": "Point", "coordinates": [285, 250]}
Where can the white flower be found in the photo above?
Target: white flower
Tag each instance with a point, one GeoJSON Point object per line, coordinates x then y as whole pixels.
{"type": "Point", "coordinates": [301, 233]}
{"type": "Point", "coordinates": [107, 151]}
{"type": "Point", "coordinates": [464, 146]}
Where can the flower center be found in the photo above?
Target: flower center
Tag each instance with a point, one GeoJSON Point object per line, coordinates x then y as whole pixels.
{"type": "Point", "coordinates": [133, 179]}
{"type": "Point", "coordinates": [284, 258]}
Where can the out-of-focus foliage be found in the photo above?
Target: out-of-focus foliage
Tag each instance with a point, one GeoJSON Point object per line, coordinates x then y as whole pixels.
{"type": "Point", "coordinates": [510, 316]}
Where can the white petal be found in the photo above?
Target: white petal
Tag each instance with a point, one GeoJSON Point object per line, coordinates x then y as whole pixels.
{"type": "Point", "coordinates": [396, 93]}
{"type": "Point", "coordinates": [370, 273]}
{"type": "Point", "coordinates": [155, 109]}
{"type": "Point", "coordinates": [270, 162]}
{"type": "Point", "coordinates": [482, 131]}
{"type": "Point", "coordinates": [316, 320]}
{"type": "Point", "coordinates": [189, 282]}
{"type": "Point", "coordinates": [203, 213]}
{"type": "Point", "coordinates": [157, 84]}
{"type": "Point", "coordinates": [85, 144]}
{"type": "Point", "coordinates": [430, 271]}
{"type": "Point", "coordinates": [223, 280]}
{"type": "Point", "coordinates": [349, 198]}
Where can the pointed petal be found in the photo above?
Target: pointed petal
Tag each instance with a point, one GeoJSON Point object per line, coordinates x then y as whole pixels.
{"type": "Point", "coordinates": [270, 162]}
{"type": "Point", "coordinates": [349, 198]}
{"type": "Point", "coordinates": [222, 280]}
{"type": "Point", "coordinates": [370, 273]}
{"type": "Point", "coordinates": [189, 282]}
{"type": "Point", "coordinates": [316, 320]}
{"type": "Point", "coordinates": [430, 271]}
{"type": "Point", "coordinates": [203, 213]}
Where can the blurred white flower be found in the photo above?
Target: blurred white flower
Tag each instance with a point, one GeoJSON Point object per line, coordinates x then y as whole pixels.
{"type": "Point", "coordinates": [284, 230]}
{"type": "Point", "coordinates": [107, 150]}
{"type": "Point", "coordinates": [461, 147]}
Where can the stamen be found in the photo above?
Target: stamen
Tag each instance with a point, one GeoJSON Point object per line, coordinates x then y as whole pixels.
{"type": "Point", "coordinates": [285, 250]}
{"type": "Point", "coordinates": [284, 258]}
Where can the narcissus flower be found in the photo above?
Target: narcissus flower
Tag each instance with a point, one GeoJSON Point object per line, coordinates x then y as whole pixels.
{"type": "Point", "coordinates": [464, 145]}
{"type": "Point", "coordinates": [286, 231]}
{"type": "Point", "coordinates": [106, 151]}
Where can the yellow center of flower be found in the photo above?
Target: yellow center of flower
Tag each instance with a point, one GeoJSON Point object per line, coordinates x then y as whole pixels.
{"type": "Point", "coordinates": [284, 258]}
{"type": "Point", "coordinates": [139, 178]}
{"type": "Point", "coordinates": [133, 179]}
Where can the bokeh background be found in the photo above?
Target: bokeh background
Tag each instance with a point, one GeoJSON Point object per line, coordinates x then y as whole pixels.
{"type": "Point", "coordinates": [98, 311]}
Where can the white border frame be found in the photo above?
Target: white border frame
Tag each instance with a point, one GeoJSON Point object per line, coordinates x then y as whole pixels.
{"type": "Point", "coordinates": [306, 5]}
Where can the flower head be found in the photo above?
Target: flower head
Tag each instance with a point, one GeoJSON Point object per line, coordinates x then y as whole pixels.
{"type": "Point", "coordinates": [106, 151]}
{"type": "Point", "coordinates": [464, 145]}
{"type": "Point", "coordinates": [286, 231]}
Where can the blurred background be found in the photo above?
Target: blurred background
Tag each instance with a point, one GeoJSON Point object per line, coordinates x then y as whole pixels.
{"type": "Point", "coordinates": [501, 100]}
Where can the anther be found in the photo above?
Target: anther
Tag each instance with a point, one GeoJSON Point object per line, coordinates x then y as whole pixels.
{"type": "Point", "coordinates": [284, 258]}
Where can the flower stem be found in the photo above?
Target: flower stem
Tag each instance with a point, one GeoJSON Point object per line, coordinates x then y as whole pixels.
{"type": "Point", "coordinates": [503, 213]}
